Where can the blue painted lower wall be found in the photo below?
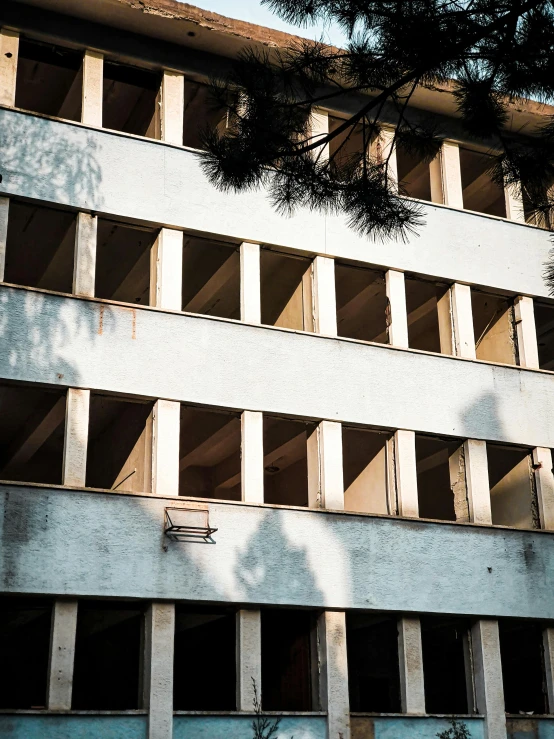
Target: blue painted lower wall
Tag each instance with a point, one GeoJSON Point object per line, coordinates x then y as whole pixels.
{"type": "Point", "coordinates": [56, 726]}
{"type": "Point", "coordinates": [399, 727]}
{"type": "Point", "coordinates": [240, 727]}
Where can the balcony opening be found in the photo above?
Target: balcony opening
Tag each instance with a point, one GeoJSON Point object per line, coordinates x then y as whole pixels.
{"type": "Point", "coordinates": [544, 319]}
{"type": "Point", "coordinates": [494, 328]}
{"type": "Point", "coordinates": [210, 448]}
{"type": "Point", "coordinates": [24, 651]}
{"type": "Point", "coordinates": [131, 100]}
{"type": "Point", "coordinates": [49, 79]}
{"type": "Point", "coordinates": [120, 444]}
{"type": "Point", "coordinates": [289, 660]}
{"type": "Point", "coordinates": [414, 176]}
{"type": "Point", "coordinates": [211, 278]}
{"type": "Point", "coordinates": [32, 424]}
{"type": "Point", "coordinates": [286, 290]}
{"type": "Point", "coordinates": [373, 663]}
{"type": "Point", "coordinates": [361, 303]}
{"type": "Point", "coordinates": [447, 670]}
{"type": "Point", "coordinates": [40, 247]}
{"type": "Point", "coordinates": [107, 667]}
{"type": "Point", "coordinates": [286, 460]}
{"type": "Point", "coordinates": [422, 305]}
{"type": "Point", "coordinates": [365, 470]}
{"type": "Point", "coordinates": [346, 149]}
{"type": "Point", "coordinates": [123, 262]}
{"type": "Point", "coordinates": [479, 191]}
{"type": "Point", "coordinates": [202, 112]}
{"type": "Point", "coordinates": [523, 670]}
{"type": "Point", "coordinates": [204, 637]}
{"type": "Point", "coordinates": [512, 485]}
{"type": "Point", "coordinates": [441, 482]}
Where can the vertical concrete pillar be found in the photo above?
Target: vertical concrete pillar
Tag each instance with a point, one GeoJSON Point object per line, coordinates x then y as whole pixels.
{"type": "Point", "coordinates": [250, 296]}
{"type": "Point", "coordinates": [159, 640]}
{"type": "Point", "coordinates": [84, 264]}
{"type": "Point", "coordinates": [489, 690]}
{"type": "Point", "coordinates": [412, 689]}
{"type": "Point", "coordinates": [386, 150]}
{"type": "Point", "coordinates": [548, 647]}
{"type": "Point", "coordinates": [166, 270]}
{"type": "Point", "coordinates": [9, 51]}
{"type": "Point", "coordinates": [324, 296]}
{"type": "Point", "coordinates": [166, 421]}
{"type": "Point", "coordinates": [514, 204]}
{"type": "Point", "coordinates": [320, 129]}
{"type": "Point", "coordinates": [524, 311]}
{"type": "Point", "coordinates": [333, 679]}
{"type": "Point", "coordinates": [76, 437]}
{"type": "Point", "coordinates": [456, 322]}
{"type": "Point", "coordinates": [4, 213]}
{"type": "Point", "coordinates": [248, 658]}
{"type": "Point", "coordinates": [404, 473]}
{"type": "Point", "coordinates": [93, 88]}
{"type": "Point", "coordinates": [172, 107]}
{"type": "Point", "coordinates": [252, 456]}
{"type": "Point", "coordinates": [325, 470]}
{"type": "Point", "coordinates": [62, 655]}
{"type": "Point", "coordinates": [458, 484]}
{"type": "Point", "coordinates": [450, 171]}
{"type": "Point", "coordinates": [477, 480]}
{"type": "Point", "coordinates": [544, 481]}
{"type": "Point", "coordinates": [397, 318]}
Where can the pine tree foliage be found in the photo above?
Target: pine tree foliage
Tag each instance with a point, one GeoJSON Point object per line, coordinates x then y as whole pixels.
{"type": "Point", "coordinates": [493, 52]}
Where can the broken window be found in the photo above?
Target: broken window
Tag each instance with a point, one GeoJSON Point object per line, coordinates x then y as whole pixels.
{"type": "Point", "coordinates": [209, 456]}
{"type": "Point", "coordinates": [523, 670]}
{"type": "Point", "coordinates": [106, 674]}
{"type": "Point", "coordinates": [202, 112]}
{"type": "Point", "coordinates": [373, 663]}
{"type": "Point", "coordinates": [123, 262]}
{"type": "Point", "coordinates": [414, 176]}
{"type": "Point", "coordinates": [40, 247]}
{"type": "Point", "coordinates": [544, 319]}
{"type": "Point", "coordinates": [494, 327]}
{"type": "Point", "coordinates": [49, 79]}
{"type": "Point", "coordinates": [422, 305]}
{"type": "Point", "coordinates": [447, 669]}
{"type": "Point", "coordinates": [480, 192]}
{"type": "Point", "coordinates": [286, 460]}
{"type": "Point", "coordinates": [32, 423]}
{"type": "Point", "coordinates": [289, 660]}
{"type": "Point", "coordinates": [361, 303]}
{"type": "Point", "coordinates": [120, 444]}
{"type": "Point", "coordinates": [365, 470]}
{"type": "Point", "coordinates": [512, 485]}
{"type": "Point", "coordinates": [441, 483]}
{"type": "Point", "coordinates": [211, 278]}
{"type": "Point", "coordinates": [204, 637]}
{"type": "Point", "coordinates": [24, 651]}
{"type": "Point", "coordinates": [131, 99]}
{"type": "Point", "coordinates": [286, 290]}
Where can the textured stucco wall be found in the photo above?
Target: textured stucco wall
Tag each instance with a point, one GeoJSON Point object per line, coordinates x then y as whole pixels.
{"type": "Point", "coordinates": [240, 727]}
{"type": "Point", "coordinates": [389, 727]}
{"type": "Point", "coordinates": [21, 726]}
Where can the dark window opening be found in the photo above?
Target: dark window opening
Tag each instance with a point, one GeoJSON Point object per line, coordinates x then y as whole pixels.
{"type": "Point", "coordinates": [512, 485]}
{"type": "Point", "coordinates": [523, 671]}
{"type": "Point", "coordinates": [422, 305]}
{"type": "Point", "coordinates": [131, 100]}
{"type": "Point", "coordinates": [373, 663]}
{"type": "Point", "coordinates": [211, 278]}
{"type": "Point", "coordinates": [544, 319]}
{"type": "Point", "coordinates": [286, 290]}
{"type": "Point", "coordinates": [446, 665]}
{"type": "Point", "coordinates": [202, 112]}
{"type": "Point", "coordinates": [414, 176]}
{"type": "Point", "coordinates": [347, 149]}
{"type": "Point", "coordinates": [441, 485]}
{"type": "Point", "coordinates": [480, 192]}
{"type": "Point", "coordinates": [365, 470]}
{"type": "Point", "coordinates": [286, 460]}
{"type": "Point", "coordinates": [494, 328]}
{"type": "Point", "coordinates": [361, 303]}
{"type": "Point", "coordinates": [205, 662]}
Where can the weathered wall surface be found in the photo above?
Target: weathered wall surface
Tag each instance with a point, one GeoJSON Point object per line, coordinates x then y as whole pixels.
{"type": "Point", "coordinates": [402, 727]}
{"type": "Point", "coordinates": [530, 728]}
{"type": "Point", "coordinates": [29, 726]}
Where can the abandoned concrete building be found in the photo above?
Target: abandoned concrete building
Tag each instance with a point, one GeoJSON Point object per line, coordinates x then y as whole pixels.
{"type": "Point", "coordinates": [239, 449]}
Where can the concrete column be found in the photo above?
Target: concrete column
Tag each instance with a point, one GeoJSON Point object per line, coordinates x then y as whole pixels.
{"type": "Point", "coordinates": [386, 151]}
{"type": "Point", "coordinates": [320, 129]}
{"type": "Point", "coordinates": [93, 88]}
{"type": "Point", "coordinates": [477, 480]}
{"type": "Point", "coordinates": [165, 447]}
{"type": "Point", "coordinates": [76, 437]}
{"type": "Point", "coordinates": [248, 658]}
{"type": "Point", "coordinates": [84, 264]}
{"type": "Point", "coordinates": [166, 270]}
{"type": "Point", "coordinates": [489, 690]}
{"type": "Point", "coordinates": [412, 689]}
{"type": "Point", "coordinates": [405, 473]}
{"type": "Point", "coordinates": [456, 322]}
{"type": "Point", "coordinates": [397, 319]}
{"type": "Point", "coordinates": [252, 457]}
{"type": "Point", "coordinates": [451, 175]}
{"type": "Point", "coordinates": [548, 646]}
{"type": "Point", "coordinates": [333, 679]}
{"type": "Point", "coordinates": [4, 213]}
{"type": "Point", "coordinates": [544, 482]}
{"type": "Point", "coordinates": [62, 655]}
{"type": "Point", "coordinates": [159, 638]}
{"type": "Point", "coordinates": [172, 107]}
{"type": "Point", "coordinates": [524, 311]}
{"type": "Point", "coordinates": [514, 204]}
{"type": "Point", "coordinates": [324, 296]}
{"type": "Point", "coordinates": [325, 472]}
{"type": "Point", "coordinates": [9, 51]}
{"type": "Point", "coordinates": [250, 296]}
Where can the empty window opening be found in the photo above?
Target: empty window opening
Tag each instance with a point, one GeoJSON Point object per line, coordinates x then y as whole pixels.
{"type": "Point", "coordinates": [289, 660]}
{"type": "Point", "coordinates": [373, 663]}
{"type": "Point", "coordinates": [441, 481]}
{"type": "Point", "coordinates": [204, 637]}
{"type": "Point", "coordinates": [365, 470]}
{"type": "Point", "coordinates": [24, 651]}
{"type": "Point", "coordinates": [447, 668]}
{"type": "Point", "coordinates": [40, 247]}
{"type": "Point", "coordinates": [422, 305]}
{"type": "Point", "coordinates": [361, 303]}
{"type": "Point", "coordinates": [286, 460]}
{"type": "Point", "coordinates": [209, 456]}
{"type": "Point", "coordinates": [346, 150]}
{"type": "Point", "coordinates": [107, 667]}
{"type": "Point", "coordinates": [480, 192]}
{"type": "Point", "coordinates": [49, 79]}
{"type": "Point", "coordinates": [123, 262]}
{"type": "Point", "coordinates": [414, 176]}
{"type": "Point", "coordinates": [120, 444]}
{"type": "Point", "coordinates": [202, 112]}
{"type": "Point", "coordinates": [286, 290]}
{"type": "Point", "coordinates": [32, 423]}
{"type": "Point", "coordinates": [544, 320]}
{"type": "Point", "coordinates": [211, 278]}
{"type": "Point", "coordinates": [523, 670]}
{"type": "Point", "coordinates": [512, 485]}
{"type": "Point", "coordinates": [131, 100]}
{"type": "Point", "coordinates": [494, 328]}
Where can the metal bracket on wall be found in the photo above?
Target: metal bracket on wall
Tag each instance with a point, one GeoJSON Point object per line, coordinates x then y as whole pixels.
{"type": "Point", "coordinates": [185, 523]}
